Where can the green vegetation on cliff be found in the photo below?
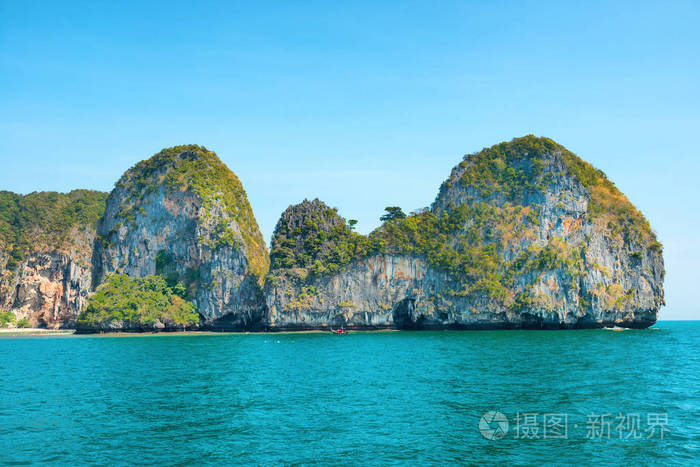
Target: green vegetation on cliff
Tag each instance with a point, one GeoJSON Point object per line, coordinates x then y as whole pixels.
{"type": "Point", "coordinates": [472, 255]}
{"type": "Point", "coordinates": [515, 171]}
{"type": "Point", "coordinates": [43, 220]}
{"type": "Point", "coordinates": [488, 241]}
{"type": "Point", "coordinates": [313, 236]}
{"type": "Point", "coordinates": [508, 171]}
{"type": "Point", "coordinates": [6, 318]}
{"type": "Point", "coordinates": [486, 228]}
{"type": "Point", "coordinates": [199, 171]}
{"type": "Point", "coordinates": [137, 303]}
{"type": "Point", "coordinates": [187, 282]}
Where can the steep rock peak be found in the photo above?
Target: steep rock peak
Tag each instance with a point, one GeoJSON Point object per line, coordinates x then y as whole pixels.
{"type": "Point", "coordinates": [527, 228]}
{"type": "Point", "coordinates": [217, 190]}
{"type": "Point", "coordinates": [313, 236]}
{"type": "Point", "coordinates": [538, 173]}
{"type": "Point", "coordinates": [183, 215]}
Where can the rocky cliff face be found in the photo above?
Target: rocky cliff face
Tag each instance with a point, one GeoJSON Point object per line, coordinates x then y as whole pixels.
{"type": "Point", "coordinates": [50, 288]}
{"type": "Point", "coordinates": [46, 243]}
{"type": "Point", "coordinates": [184, 215]}
{"type": "Point", "coordinates": [522, 235]}
{"type": "Point", "coordinates": [314, 277]}
{"type": "Point", "coordinates": [374, 292]}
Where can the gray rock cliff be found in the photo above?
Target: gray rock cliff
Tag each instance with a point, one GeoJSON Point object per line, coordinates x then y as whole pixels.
{"type": "Point", "coordinates": [524, 234]}
{"type": "Point", "coordinates": [46, 244]}
{"type": "Point", "coordinates": [521, 235]}
{"type": "Point", "coordinates": [184, 215]}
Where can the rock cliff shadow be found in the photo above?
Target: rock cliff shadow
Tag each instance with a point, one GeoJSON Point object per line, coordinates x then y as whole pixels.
{"type": "Point", "coordinates": [404, 315]}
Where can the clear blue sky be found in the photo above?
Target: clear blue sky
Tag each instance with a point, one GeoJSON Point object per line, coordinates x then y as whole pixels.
{"type": "Point", "coordinates": [362, 104]}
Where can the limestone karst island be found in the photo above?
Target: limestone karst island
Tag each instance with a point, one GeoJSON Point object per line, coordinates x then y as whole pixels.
{"type": "Point", "coordinates": [523, 234]}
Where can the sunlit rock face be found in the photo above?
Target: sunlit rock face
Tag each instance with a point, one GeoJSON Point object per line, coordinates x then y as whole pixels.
{"type": "Point", "coordinates": [521, 235]}
{"type": "Point", "coordinates": [46, 245]}
{"type": "Point", "coordinates": [49, 288]}
{"type": "Point", "coordinates": [183, 214]}
{"type": "Point", "coordinates": [366, 294]}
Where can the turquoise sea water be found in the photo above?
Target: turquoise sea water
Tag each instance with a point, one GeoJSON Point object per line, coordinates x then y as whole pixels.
{"type": "Point", "coordinates": [363, 398]}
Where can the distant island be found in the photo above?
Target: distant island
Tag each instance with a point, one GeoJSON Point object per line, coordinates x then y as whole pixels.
{"type": "Point", "coordinates": [522, 235]}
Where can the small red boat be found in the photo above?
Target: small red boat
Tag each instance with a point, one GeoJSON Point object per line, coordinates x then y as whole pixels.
{"type": "Point", "coordinates": [338, 331]}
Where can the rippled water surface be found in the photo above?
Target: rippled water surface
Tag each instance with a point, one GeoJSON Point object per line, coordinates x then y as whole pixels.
{"type": "Point", "coordinates": [393, 397]}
